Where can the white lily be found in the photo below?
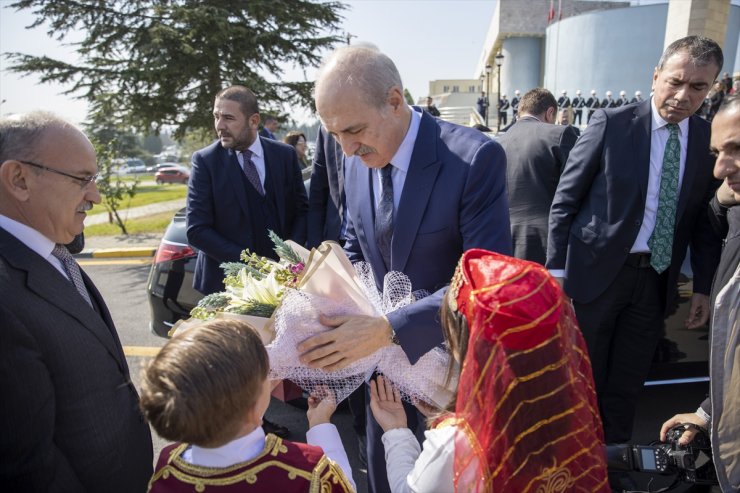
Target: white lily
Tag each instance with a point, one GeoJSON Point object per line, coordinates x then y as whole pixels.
{"type": "Point", "coordinates": [267, 290]}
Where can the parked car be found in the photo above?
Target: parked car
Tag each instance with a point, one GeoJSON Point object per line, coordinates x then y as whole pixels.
{"type": "Point", "coordinates": [170, 284]}
{"type": "Point", "coordinates": [172, 175]}
{"type": "Point", "coordinates": [131, 166]}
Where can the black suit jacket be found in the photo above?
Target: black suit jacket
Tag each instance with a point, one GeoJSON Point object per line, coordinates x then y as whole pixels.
{"type": "Point", "coordinates": [69, 412]}
{"type": "Point", "coordinates": [326, 194]}
{"type": "Point", "coordinates": [536, 153]}
{"type": "Point", "coordinates": [600, 202]}
{"type": "Point", "coordinates": [219, 221]}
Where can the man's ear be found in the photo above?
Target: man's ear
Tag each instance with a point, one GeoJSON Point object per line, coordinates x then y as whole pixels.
{"type": "Point", "coordinates": [254, 120]}
{"type": "Point", "coordinates": [550, 114]}
{"type": "Point", "coordinates": [13, 179]}
{"type": "Point", "coordinates": [395, 98]}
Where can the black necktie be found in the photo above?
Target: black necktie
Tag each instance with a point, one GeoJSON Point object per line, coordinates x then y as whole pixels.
{"type": "Point", "coordinates": [72, 269]}
{"type": "Point", "coordinates": [384, 215]}
{"type": "Point", "coordinates": [251, 171]}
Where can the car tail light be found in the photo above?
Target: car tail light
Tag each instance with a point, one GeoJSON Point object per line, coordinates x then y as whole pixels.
{"type": "Point", "coordinates": [168, 252]}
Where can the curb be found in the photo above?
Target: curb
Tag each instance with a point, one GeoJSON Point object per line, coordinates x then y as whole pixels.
{"type": "Point", "coordinates": [118, 252]}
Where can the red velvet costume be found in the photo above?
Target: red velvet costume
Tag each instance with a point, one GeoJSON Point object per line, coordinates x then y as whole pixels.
{"type": "Point", "coordinates": [282, 466]}
{"type": "Point", "coordinates": [526, 403]}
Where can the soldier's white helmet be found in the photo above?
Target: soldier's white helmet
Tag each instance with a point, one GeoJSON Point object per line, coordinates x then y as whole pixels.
{"type": "Point", "coordinates": [638, 93]}
{"type": "Point", "coordinates": [578, 92]}
{"type": "Point", "coordinates": [517, 93]}
{"type": "Point", "coordinates": [622, 93]}
{"type": "Point", "coordinates": [593, 92]}
{"type": "Point", "coordinates": [563, 92]}
{"type": "Point", "coordinates": [608, 93]}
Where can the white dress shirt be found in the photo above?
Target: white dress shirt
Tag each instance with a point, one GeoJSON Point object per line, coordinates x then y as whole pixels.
{"type": "Point", "coordinates": [400, 161]}
{"type": "Point", "coordinates": [658, 139]}
{"type": "Point", "coordinates": [33, 240]}
{"type": "Point", "coordinates": [258, 158]}
{"type": "Point", "coordinates": [251, 445]}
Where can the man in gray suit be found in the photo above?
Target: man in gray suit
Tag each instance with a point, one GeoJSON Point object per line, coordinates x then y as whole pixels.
{"type": "Point", "coordinates": [632, 197]}
{"type": "Point", "coordinates": [536, 151]}
{"type": "Point", "coordinates": [69, 413]}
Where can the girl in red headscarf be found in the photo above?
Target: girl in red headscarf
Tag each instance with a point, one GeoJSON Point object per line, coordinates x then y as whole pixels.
{"type": "Point", "coordinates": [525, 417]}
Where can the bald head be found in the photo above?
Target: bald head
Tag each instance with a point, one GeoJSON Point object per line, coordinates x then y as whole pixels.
{"type": "Point", "coordinates": [21, 135]}
{"type": "Point", "coordinates": [364, 69]}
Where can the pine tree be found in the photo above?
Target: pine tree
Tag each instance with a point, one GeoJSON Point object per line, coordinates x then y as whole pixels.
{"type": "Point", "coordinates": [149, 63]}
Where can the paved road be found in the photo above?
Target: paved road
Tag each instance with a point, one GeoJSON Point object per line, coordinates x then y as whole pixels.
{"type": "Point", "coordinates": [123, 284]}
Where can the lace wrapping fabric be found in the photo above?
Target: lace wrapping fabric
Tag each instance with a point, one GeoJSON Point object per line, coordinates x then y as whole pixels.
{"type": "Point", "coordinates": [297, 319]}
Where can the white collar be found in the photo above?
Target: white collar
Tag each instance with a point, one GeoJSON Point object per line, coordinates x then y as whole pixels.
{"type": "Point", "coordinates": [28, 236]}
{"type": "Point", "coordinates": [256, 147]}
{"type": "Point", "coordinates": [240, 450]}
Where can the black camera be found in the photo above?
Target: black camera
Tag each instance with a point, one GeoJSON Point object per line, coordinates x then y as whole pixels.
{"type": "Point", "coordinates": [691, 463]}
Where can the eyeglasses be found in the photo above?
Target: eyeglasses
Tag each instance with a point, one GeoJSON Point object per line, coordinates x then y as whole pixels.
{"type": "Point", "coordinates": [83, 182]}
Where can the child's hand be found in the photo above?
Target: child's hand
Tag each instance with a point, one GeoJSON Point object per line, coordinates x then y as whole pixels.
{"type": "Point", "coordinates": [386, 405]}
{"type": "Point", "coordinates": [321, 405]}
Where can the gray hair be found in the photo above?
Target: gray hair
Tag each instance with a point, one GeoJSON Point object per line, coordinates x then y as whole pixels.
{"type": "Point", "coordinates": [363, 68]}
{"type": "Point", "coordinates": [21, 135]}
{"type": "Point", "coordinates": [702, 51]}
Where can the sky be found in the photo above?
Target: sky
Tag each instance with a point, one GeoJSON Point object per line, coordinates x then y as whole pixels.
{"type": "Point", "coordinates": [427, 40]}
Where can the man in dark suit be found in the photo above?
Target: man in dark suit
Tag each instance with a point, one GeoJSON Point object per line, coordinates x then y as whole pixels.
{"type": "Point", "coordinates": [240, 187]}
{"type": "Point", "coordinates": [326, 199]}
{"type": "Point", "coordinates": [69, 416]}
{"type": "Point", "coordinates": [269, 127]}
{"type": "Point", "coordinates": [536, 151]}
{"type": "Point", "coordinates": [633, 195]}
{"type": "Point", "coordinates": [420, 191]}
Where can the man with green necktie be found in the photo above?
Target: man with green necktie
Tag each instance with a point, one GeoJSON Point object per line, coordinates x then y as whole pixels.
{"type": "Point", "coordinates": [632, 197]}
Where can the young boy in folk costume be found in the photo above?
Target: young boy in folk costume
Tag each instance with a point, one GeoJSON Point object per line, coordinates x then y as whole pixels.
{"type": "Point", "coordinates": [207, 389]}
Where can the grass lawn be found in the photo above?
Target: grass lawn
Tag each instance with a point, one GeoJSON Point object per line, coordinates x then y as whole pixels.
{"type": "Point", "coordinates": [156, 223]}
{"type": "Point", "coordinates": [148, 194]}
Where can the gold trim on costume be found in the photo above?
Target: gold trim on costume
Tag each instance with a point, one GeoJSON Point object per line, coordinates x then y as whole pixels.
{"type": "Point", "coordinates": [319, 478]}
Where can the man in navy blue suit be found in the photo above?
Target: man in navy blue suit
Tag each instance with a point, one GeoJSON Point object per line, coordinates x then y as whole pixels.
{"type": "Point", "coordinates": [240, 187]}
{"type": "Point", "coordinates": [632, 197]}
{"type": "Point", "coordinates": [420, 191]}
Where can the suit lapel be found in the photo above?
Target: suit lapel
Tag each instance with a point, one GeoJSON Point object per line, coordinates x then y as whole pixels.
{"type": "Point", "coordinates": [233, 174]}
{"type": "Point", "coordinates": [641, 134]}
{"type": "Point", "coordinates": [696, 149]}
{"type": "Point", "coordinates": [51, 286]}
{"type": "Point", "coordinates": [274, 171]}
{"type": "Point", "coordinates": [417, 190]}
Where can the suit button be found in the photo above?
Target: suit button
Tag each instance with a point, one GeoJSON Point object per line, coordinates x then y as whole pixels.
{"type": "Point", "coordinates": [637, 222]}
{"type": "Point", "coordinates": [626, 250]}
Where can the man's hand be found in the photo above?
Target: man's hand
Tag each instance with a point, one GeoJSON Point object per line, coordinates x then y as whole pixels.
{"type": "Point", "coordinates": [698, 311]}
{"type": "Point", "coordinates": [680, 419]}
{"type": "Point", "coordinates": [353, 338]}
{"type": "Point", "coordinates": [725, 195]}
{"type": "Point", "coordinates": [386, 405]}
{"type": "Point", "coordinates": [321, 405]}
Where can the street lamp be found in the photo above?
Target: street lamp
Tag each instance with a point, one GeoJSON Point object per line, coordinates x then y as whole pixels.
{"type": "Point", "coordinates": [488, 91]}
{"type": "Point", "coordinates": [499, 61]}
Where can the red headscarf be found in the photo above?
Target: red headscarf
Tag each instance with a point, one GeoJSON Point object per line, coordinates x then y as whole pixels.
{"type": "Point", "coordinates": [526, 402]}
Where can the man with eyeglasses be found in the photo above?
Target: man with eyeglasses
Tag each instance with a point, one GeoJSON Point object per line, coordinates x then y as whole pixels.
{"type": "Point", "coordinates": [69, 418]}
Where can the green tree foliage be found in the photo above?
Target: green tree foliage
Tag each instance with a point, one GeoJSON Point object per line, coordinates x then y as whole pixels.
{"type": "Point", "coordinates": [112, 189]}
{"type": "Point", "coordinates": [149, 63]}
{"type": "Point", "coordinates": [409, 98]}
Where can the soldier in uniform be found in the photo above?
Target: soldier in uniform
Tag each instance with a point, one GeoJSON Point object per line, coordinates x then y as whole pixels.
{"type": "Point", "coordinates": [622, 99]}
{"type": "Point", "coordinates": [592, 104]}
{"type": "Point", "coordinates": [578, 104]}
{"type": "Point", "coordinates": [515, 106]}
{"type": "Point", "coordinates": [563, 101]}
{"type": "Point", "coordinates": [503, 108]}
{"type": "Point", "coordinates": [608, 101]}
{"type": "Point", "coordinates": [637, 98]}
